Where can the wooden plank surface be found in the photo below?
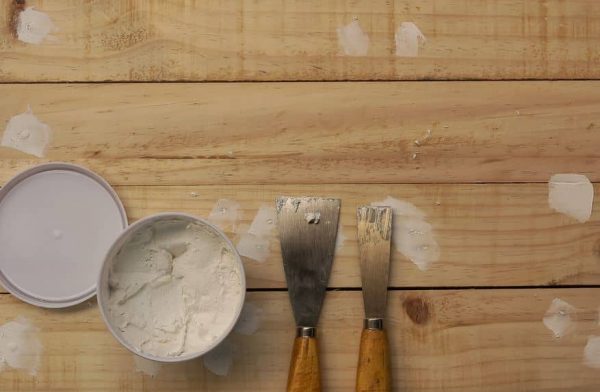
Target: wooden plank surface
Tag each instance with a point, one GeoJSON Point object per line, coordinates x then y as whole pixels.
{"type": "Point", "coordinates": [492, 340]}
{"type": "Point", "coordinates": [297, 40]}
{"type": "Point", "coordinates": [489, 235]}
{"type": "Point", "coordinates": [190, 134]}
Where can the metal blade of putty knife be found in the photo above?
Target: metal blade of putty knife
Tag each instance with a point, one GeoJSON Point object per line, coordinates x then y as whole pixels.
{"type": "Point", "coordinates": [307, 233]}
{"type": "Point", "coordinates": [374, 243]}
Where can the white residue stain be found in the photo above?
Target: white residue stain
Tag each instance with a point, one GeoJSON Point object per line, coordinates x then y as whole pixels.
{"type": "Point", "coordinates": [412, 235]}
{"type": "Point", "coordinates": [572, 195]}
{"type": "Point", "coordinates": [421, 141]}
{"type": "Point", "coordinates": [312, 217]}
{"type": "Point", "coordinates": [340, 239]}
{"type": "Point", "coordinates": [255, 243]}
{"type": "Point", "coordinates": [591, 352]}
{"type": "Point", "coordinates": [219, 359]}
{"type": "Point", "coordinates": [353, 40]}
{"type": "Point", "coordinates": [20, 346]}
{"type": "Point", "coordinates": [408, 40]}
{"type": "Point", "coordinates": [226, 214]}
{"type": "Point", "coordinates": [26, 133]}
{"type": "Point", "coordinates": [249, 320]}
{"type": "Point", "coordinates": [146, 366]}
{"type": "Point", "coordinates": [33, 26]}
{"type": "Point", "coordinates": [558, 317]}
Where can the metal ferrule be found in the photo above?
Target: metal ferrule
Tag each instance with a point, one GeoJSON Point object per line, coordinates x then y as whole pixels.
{"type": "Point", "coordinates": [306, 332]}
{"type": "Point", "coordinates": [373, 323]}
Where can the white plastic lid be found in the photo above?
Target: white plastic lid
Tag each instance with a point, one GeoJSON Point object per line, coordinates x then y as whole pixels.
{"type": "Point", "coordinates": [57, 222]}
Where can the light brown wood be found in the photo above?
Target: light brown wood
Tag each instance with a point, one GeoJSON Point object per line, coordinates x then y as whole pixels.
{"type": "Point", "coordinates": [489, 234]}
{"type": "Point", "coordinates": [297, 40]}
{"type": "Point", "coordinates": [175, 134]}
{"type": "Point", "coordinates": [304, 374]}
{"type": "Point", "coordinates": [471, 340]}
{"type": "Point", "coordinates": [373, 369]}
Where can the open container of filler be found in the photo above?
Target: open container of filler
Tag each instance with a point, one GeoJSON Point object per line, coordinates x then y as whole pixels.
{"type": "Point", "coordinates": [59, 225]}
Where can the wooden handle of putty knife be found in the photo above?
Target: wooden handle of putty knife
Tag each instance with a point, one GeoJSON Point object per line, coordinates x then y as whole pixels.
{"type": "Point", "coordinates": [304, 375]}
{"type": "Point", "coordinates": [373, 373]}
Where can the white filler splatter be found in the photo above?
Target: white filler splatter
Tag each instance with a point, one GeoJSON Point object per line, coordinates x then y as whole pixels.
{"type": "Point", "coordinates": [219, 359]}
{"type": "Point", "coordinates": [26, 133]}
{"type": "Point", "coordinates": [408, 40]}
{"type": "Point", "coordinates": [353, 40]}
{"type": "Point", "coordinates": [572, 195]}
{"type": "Point", "coordinates": [591, 352]}
{"type": "Point", "coordinates": [33, 26]}
{"type": "Point", "coordinates": [146, 366]}
{"type": "Point", "coordinates": [256, 242]}
{"type": "Point", "coordinates": [249, 320]}
{"type": "Point", "coordinates": [340, 239]}
{"type": "Point", "coordinates": [558, 317]}
{"type": "Point", "coordinates": [226, 214]}
{"type": "Point", "coordinates": [20, 347]}
{"type": "Point", "coordinates": [412, 234]}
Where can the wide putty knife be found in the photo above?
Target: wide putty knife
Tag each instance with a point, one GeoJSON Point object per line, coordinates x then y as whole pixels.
{"type": "Point", "coordinates": [374, 234]}
{"type": "Point", "coordinates": [307, 232]}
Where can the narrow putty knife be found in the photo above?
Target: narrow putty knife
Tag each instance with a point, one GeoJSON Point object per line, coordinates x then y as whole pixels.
{"type": "Point", "coordinates": [307, 232]}
{"type": "Point", "coordinates": [374, 234]}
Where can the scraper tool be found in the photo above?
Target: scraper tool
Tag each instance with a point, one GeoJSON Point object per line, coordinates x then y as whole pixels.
{"type": "Point", "coordinates": [307, 232]}
{"type": "Point", "coordinates": [374, 238]}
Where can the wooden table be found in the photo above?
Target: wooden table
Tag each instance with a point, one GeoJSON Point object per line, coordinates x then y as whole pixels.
{"type": "Point", "coordinates": [507, 87]}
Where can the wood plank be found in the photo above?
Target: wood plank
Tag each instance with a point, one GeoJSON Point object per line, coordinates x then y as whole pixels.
{"type": "Point", "coordinates": [492, 340]}
{"type": "Point", "coordinates": [297, 40]}
{"type": "Point", "coordinates": [190, 134]}
{"type": "Point", "coordinates": [489, 235]}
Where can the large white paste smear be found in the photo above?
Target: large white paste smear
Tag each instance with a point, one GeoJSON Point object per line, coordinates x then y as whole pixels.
{"type": "Point", "coordinates": [591, 352]}
{"type": "Point", "coordinates": [572, 195]}
{"type": "Point", "coordinates": [26, 133]}
{"type": "Point", "coordinates": [412, 235]}
{"type": "Point", "coordinates": [219, 360]}
{"type": "Point", "coordinates": [408, 40]}
{"type": "Point", "coordinates": [340, 239]}
{"type": "Point", "coordinates": [175, 288]}
{"type": "Point", "coordinates": [353, 40]}
{"type": "Point", "coordinates": [226, 214]}
{"type": "Point", "coordinates": [146, 366]}
{"type": "Point", "coordinates": [255, 243]}
{"type": "Point", "coordinates": [558, 317]}
{"type": "Point", "coordinates": [33, 26]}
{"type": "Point", "coordinates": [249, 320]}
{"type": "Point", "coordinates": [20, 346]}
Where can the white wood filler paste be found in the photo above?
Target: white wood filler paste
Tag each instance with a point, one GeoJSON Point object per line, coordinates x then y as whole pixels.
{"type": "Point", "coordinates": [33, 26]}
{"type": "Point", "coordinates": [226, 214]}
{"type": "Point", "coordinates": [412, 235]}
{"type": "Point", "coordinates": [558, 317]}
{"type": "Point", "coordinates": [20, 347]}
{"type": "Point", "coordinates": [572, 195]}
{"type": "Point", "coordinates": [255, 243]}
{"type": "Point", "coordinates": [174, 289]}
{"type": "Point", "coordinates": [146, 366]}
{"type": "Point", "coordinates": [353, 40]}
{"type": "Point", "coordinates": [220, 359]}
{"type": "Point", "coordinates": [591, 352]}
{"type": "Point", "coordinates": [408, 40]}
{"type": "Point", "coordinates": [26, 133]}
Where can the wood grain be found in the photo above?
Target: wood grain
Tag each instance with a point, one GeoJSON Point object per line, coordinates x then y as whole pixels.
{"type": "Point", "coordinates": [474, 340]}
{"type": "Point", "coordinates": [373, 369]}
{"type": "Point", "coordinates": [176, 134]}
{"type": "Point", "coordinates": [304, 374]}
{"type": "Point", "coordinates": [297, 40]}
{"type": "Point", "coordinates": [489, 234]}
